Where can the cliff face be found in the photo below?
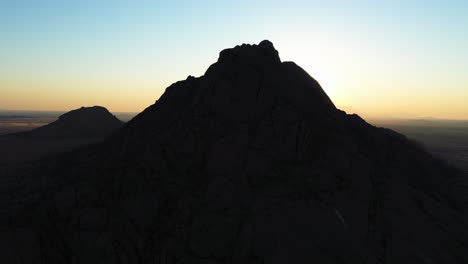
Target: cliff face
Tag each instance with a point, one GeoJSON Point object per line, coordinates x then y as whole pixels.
{"type": "Point", "coordinates": [250, 163]}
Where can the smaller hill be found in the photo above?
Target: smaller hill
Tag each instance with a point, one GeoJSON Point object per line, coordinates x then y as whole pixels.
{"type": "Point", "coordinates": [84, 122]}
{"type": "Point", "coordinates": [72, 130]}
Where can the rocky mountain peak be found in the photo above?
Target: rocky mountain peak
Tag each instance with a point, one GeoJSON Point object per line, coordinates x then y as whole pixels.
{"type": "Point", "coordinates": [247, 81]}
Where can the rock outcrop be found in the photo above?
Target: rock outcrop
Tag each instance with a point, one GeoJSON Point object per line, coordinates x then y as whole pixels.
{"type": "Point", "coordinates": [250, 163]}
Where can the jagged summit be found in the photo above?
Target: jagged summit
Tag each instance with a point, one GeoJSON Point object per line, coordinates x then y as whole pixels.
{"type": "Point", "coordinates": [263, 53]}
{"type": "Point", "coordinates": [255, 79]}
{"type": "Point", "coordinates": [95, 121]}
{"type": "Point", "coordinates": [246, 83]}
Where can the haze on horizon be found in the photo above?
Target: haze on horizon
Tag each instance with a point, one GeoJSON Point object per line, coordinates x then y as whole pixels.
{"type": "Point", "coordinates": [404, 59]}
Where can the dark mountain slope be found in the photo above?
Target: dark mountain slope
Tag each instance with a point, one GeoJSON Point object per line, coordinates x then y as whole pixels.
{"type": "Point", "coordinates": [250, 163]}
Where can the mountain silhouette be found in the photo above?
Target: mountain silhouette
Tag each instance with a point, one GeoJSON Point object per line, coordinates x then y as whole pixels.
{"type": "Point", "coordinates": [249, 163]}
{"type": "Point", "coordinates": [95, 121]}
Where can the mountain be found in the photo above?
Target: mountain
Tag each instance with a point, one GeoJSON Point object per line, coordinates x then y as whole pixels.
{"type": "Point", "coordinates": [249, 163]}
{"type": "Point", "coordinates": [94, 121]}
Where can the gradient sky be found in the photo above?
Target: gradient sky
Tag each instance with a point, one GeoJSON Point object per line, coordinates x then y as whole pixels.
{"type": "Point", "coordinates": [405, 59]}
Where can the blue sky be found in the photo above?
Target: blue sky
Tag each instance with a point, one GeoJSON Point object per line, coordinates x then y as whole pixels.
{"type": "Point", "coordinates": [377, 58]}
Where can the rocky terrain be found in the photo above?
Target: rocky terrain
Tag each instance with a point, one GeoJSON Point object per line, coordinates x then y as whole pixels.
{"type": "Point", "coordinates": [249, 163]}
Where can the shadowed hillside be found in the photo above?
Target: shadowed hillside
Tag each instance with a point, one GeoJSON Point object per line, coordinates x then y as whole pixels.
{"type": "Point", "coordinates": [249, 163]}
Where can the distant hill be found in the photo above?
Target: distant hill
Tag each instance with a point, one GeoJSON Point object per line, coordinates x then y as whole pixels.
{"type": "Point", "coordinates": [72, 130]}
{"type": "Point", "coordinates": [249, 163]}
{"type": "Point", "coordinates": [84, 122]}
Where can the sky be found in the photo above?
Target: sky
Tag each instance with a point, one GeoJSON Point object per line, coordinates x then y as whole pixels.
{"type": "Point", "coordinates": [380, 59]}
